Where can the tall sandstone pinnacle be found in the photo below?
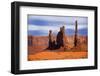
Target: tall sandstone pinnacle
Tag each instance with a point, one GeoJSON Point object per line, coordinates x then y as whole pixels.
{"type": "Point", "coordinates": [75, 36]}
{"type": "Point", "coordinates": [59, 38]}
{"type": "Point", "coordinates": [51, 40]}
{"type": "Point", "coordinates": [64, 38]}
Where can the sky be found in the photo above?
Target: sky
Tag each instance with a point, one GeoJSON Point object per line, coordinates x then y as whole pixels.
{"type": "Point", "coordinates": [39, 25]}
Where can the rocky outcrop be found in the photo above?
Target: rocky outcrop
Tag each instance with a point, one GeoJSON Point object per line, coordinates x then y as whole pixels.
{"type": "Point", "coordinates": [75, 37]}
{"type": "Point", "coordinates": [52, 44]}
{"type": "Point", "coordinates": [60, 39]}
{"type": "Point", "coordinates": [56, 42]}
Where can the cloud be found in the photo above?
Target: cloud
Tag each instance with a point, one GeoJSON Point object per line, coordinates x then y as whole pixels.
{"type": "Point", "coordinates": [43, 31]}
{"type": "Point", "coordinates": [56, 20]}
{"type": "Point", "coordinates": [54, 28]}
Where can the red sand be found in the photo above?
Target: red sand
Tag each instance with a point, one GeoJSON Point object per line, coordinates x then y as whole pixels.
{"type": "Point", "coordinates": [48, 55]}
{"type": "Point", "coordinates": [38, 51]}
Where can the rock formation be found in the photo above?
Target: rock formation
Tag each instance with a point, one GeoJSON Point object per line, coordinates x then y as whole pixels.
{"type": "Point", "coordinates": [60, 39]}
{"type": "Point", "coordinates": [64, 38]}
{"type": "Point", "coordinates": [75, 37]}
{"type": "Point", "coordinates": [51, 41]}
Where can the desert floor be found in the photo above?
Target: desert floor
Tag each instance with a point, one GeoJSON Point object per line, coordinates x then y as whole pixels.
{"type": "Point", "coordinates": [51, 55]}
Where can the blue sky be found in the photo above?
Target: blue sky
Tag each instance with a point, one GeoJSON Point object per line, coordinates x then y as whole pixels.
{"type": "Point", "coordinates": [39, 25]}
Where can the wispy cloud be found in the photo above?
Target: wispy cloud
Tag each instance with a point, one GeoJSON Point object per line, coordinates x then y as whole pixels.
{"type": "Point", "coordinates": [45, 20]}
{"type": "Point", "coordinates": [46, 28]}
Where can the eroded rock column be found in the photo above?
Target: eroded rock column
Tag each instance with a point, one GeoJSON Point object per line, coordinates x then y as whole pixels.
{"type": "Point", "coordinates": [75, 36]}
